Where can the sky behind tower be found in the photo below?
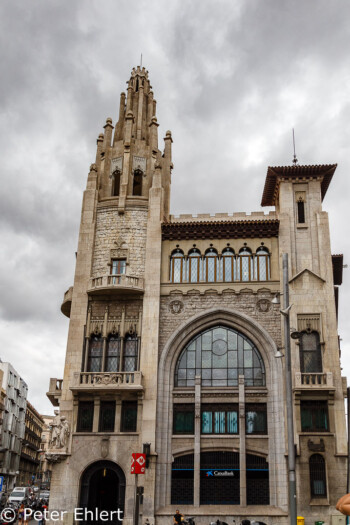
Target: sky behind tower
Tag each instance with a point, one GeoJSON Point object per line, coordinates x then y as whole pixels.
{"type": "Point", "coordinates": [231, 80]}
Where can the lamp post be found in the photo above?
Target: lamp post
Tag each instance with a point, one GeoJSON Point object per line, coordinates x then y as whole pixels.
{"type": "Point", "coordinates": [289, 391]}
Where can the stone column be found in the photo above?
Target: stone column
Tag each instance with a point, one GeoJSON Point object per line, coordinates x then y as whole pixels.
{"type": "Point", "coordinates": [197, 442]}
{"type": "Point", "coordinates": [118, 414]}
{"type": "Point", "coordinates": [97, 403]}
{"type": "Point", "coordinates": [242, 443]}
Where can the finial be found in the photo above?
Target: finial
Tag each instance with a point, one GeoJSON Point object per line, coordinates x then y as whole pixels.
{"type": "Point", "coordinates": [295, 160]}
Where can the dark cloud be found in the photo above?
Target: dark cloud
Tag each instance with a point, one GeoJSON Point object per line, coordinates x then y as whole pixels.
{"type": "Point", "coordinates": [231, 80]}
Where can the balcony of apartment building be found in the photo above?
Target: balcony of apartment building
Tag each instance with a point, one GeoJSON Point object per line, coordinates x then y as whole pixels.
{"type": "Point", "coordinates": [67, 302]}
{"type": "Point", "coordinates": [116, 284]}
{"type": "Point", "coordinates": [106, 381]}
{"type": "Point", "coordinates": [55, 391]}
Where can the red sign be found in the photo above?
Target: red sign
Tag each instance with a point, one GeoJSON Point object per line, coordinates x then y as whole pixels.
{"type": "Point", "coordinates": [138, 464]}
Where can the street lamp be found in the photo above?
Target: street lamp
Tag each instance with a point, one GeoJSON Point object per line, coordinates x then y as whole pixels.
{"type": "Point", "coordinates": [289, 392]}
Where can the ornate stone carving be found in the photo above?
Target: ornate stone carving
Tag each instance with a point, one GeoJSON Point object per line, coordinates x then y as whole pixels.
{"type": "Point", "coordinates": [116, 164]}
{"type": "Point", "coordinates": [316, 447]}
{"type": "Point", "coordinates": [55, 458]}
{"type": "Point", "coordinates": [108, 379]}
{"type": "Point", "coordinates": [139, 163]}
{"type": "Point", "coordinates": [104, 447]}
{"type": "Point", "coordinates": [176, 306]}
{"type": "Point", "coordinates": [263, 305]}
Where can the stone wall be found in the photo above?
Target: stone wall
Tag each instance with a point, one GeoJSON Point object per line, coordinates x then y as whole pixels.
{"type": "Point", "coordinates": [129, 231]}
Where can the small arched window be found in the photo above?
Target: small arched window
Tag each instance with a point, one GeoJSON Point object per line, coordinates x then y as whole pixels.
{"type": "Point", "coordinates": [137, 183]}
{"type": "Point", "coordinates": [130, 357]}
{"type": "Point", "coordinates": [194, 260]}
{"type": "Point", "coordinates": [116, 183]}
{"type": "Point", "coordinates": [177, 266]}
{"type": "Point", "coordinates": [228, 265]}
{"type": "Point", "coordinates": [95, 353]}
{"type": "Point", "coordinates": [310, 353]}
{"type": "Point", "coordinates": [113, 353]}
{"type": "Point", "coordinates": [262, 264]}
{"type": "Point", "coordinates": [211, 263]}
{"type": "Point", "coordinates": [318, 482]}
{"type": "Point", "coordinates": [245, 265]}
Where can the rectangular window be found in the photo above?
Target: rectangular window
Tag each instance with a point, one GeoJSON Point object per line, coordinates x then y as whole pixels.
{"type": "Point", "coordinates": [117, 268]}
{"type": "Point", "coordinates": [107, 416]}
{"type": "Point", "coordinates": [314, 416]}
{"type": "Point", "coordinates": [256, 418]}
{"type": "Point", "coordinates": [301, 212]}
{"type": "Point", "coordinates": [129, 416]}
{"type": "Point", "coordinates": [219, 419]}
{"type": "Point", "coordinates": [183, 422]}
{"type": "Point", "coordinates": [85, 416]}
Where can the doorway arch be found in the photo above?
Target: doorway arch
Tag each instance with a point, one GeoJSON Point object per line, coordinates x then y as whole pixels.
{"type": "Point", "coordinates": [103, 487]}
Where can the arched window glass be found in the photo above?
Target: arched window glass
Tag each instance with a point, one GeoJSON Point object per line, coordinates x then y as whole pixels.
{"type": "Point", "coordinates": [262, 264]}
{"type": "Point", "coordinates": [245, 265]}
{"type": "Point", "coordinates": [137, 183]}
{"type": "Point", "coordinates": [310, 353]}
{"type": "Point", "coordinates": [219, 355]}
{"type": "Point", "coordinates": [211, 263]}
{"type": "Point", "coordinates": [113, 353]}
{"type": "Point", "coordinates": [318, 484]}
{"type": "Point", "coordinates": [228, 265]}
{"type": "Point", "coordinates": [177, 266]}
{"type": "Point", "coordinates": [95, 354]}
{"type": "Point", "coordinates": [194, 260]}
{"type": "Point", "coordinates": [130, 358]}
{"type": "Point", "coordinates": [116, 183]}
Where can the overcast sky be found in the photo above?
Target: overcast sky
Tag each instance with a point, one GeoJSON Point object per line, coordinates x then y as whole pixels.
{"type": "Point", "coordinates": [231, 79]}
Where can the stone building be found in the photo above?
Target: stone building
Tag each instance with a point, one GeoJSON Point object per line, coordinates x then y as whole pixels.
{"type": "Point", "coordinates": [13, 424]}
{"type": "Point", "coordinates": [173, 334]}
{"type": "Point", "coordinates": [30, 452]}
{"type": "Point", "coordinates": [45, 467]}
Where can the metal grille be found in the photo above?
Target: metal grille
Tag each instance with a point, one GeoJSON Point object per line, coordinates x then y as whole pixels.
{"type": "Point", "coordinates": [219, 483]}
{"type": "Point", "coordinates": [318, 483]}
{"type": "Point", "coordinates": [310, 353]}
{"type": "Point", "coordinates": [258, 492]}
{"type": "Point", "coordinates": [219, 356]}
{"type": "Point", "coordinates": [85, 416]}
{"type": "Point", "coordinates": [182, 480]}
{"type": "Point", "coordinates": [107, 416]}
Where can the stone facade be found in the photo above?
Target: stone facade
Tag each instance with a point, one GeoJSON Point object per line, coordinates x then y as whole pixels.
{"type": "Point", "coordinates": [173, 337]}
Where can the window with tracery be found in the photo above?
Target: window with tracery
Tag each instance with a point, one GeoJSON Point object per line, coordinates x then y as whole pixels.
{"type": "Point", "coordinates": [228, 265]}
{"type": "Point", "coordinates": [116, 176]}
{"type": "Point", "coordinates": [310, 353]}
{"type": "Point", "coordinates": [130, 357]}
{"type": "Point", "coordinates": [137, 183]}
{"type": "Point", "coordinates": [112, 353]}
{"type": "Point", "coordinates": [95, 353]}
{"type": "Point", "coordinates": [211, 265]}
{"type": "Point", "coordinates": [262, 264]}
{"type": "Point", "coordinates": [177, 266]}
{"type": "Point", "coordinates": [245, 265]}
{"type": "Point", "coordinates": [194, 265]}
{"type": "Point", "coordinates": [318, 482]}
{"type": "Point", "coordinates": [219, 355]}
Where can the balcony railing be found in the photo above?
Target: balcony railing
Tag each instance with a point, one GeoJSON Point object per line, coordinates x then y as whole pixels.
{"type": "Point", "coordinates": [116, 284]}
{"type": "Point", "coordinates": [67, 302]}
{"type": "Point", "coordinates": [55, 391]}
{"type": "Point", "coordinates": [314, 380]}
{"type": "Point", "coordinates": [84, 381]}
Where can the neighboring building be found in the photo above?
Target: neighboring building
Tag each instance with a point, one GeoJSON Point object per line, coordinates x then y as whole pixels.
{"type": "Point", "coordinates": [172, 342]}
{"type": "Point", "coordinates": [13, 425]}
{"type": "Point", "coordinates": [30, 453]}
{"type": "Point", "coordinates": [45, 468]}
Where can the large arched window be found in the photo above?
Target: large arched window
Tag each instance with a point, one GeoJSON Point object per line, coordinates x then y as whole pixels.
{"type": "Point", "coordinates": [95, 353]}
{"type": "Point", "coordinates": [310, 353]}
{"type": "Point", "coordinates": [318, 484]}
{"type": "Point", "coordinates": [194, 264]}
{"type": "Point", "coordinates": [228, 265]}
{"type": "Point", "coordinates": [113, 353]}
{"type": "Point", "coordinates": [211, 265]}
{"type": "Point", "coordinates": [130, 358]}
{"type": "Point", "coordinates": [219, 355]}
{"type": "Point", "coordinates": [262, 264]}
{"type": "Point", "coordinates": [245, 265]}
{"type": "Point", "coordinates": [177, 266]}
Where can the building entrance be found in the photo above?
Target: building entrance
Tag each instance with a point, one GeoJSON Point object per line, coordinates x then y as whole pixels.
{"type": "Point", "coordinates": [103, 489]}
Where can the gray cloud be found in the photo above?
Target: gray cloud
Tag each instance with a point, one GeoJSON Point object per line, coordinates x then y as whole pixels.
{"type": "Point", "coordinates": [231, 80]}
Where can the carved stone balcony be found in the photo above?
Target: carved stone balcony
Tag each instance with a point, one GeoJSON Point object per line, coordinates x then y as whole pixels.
{"type": "Point", "coordinates": [67, 302]}
{"type": "Point", "coordinates": [316, 381]}
{"type": "Point", "coordinates": [55, 391]}
{"type": "Point", "coordinates": [106, 381]}
{"type": "Point", "coordinates": [116, 285]}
